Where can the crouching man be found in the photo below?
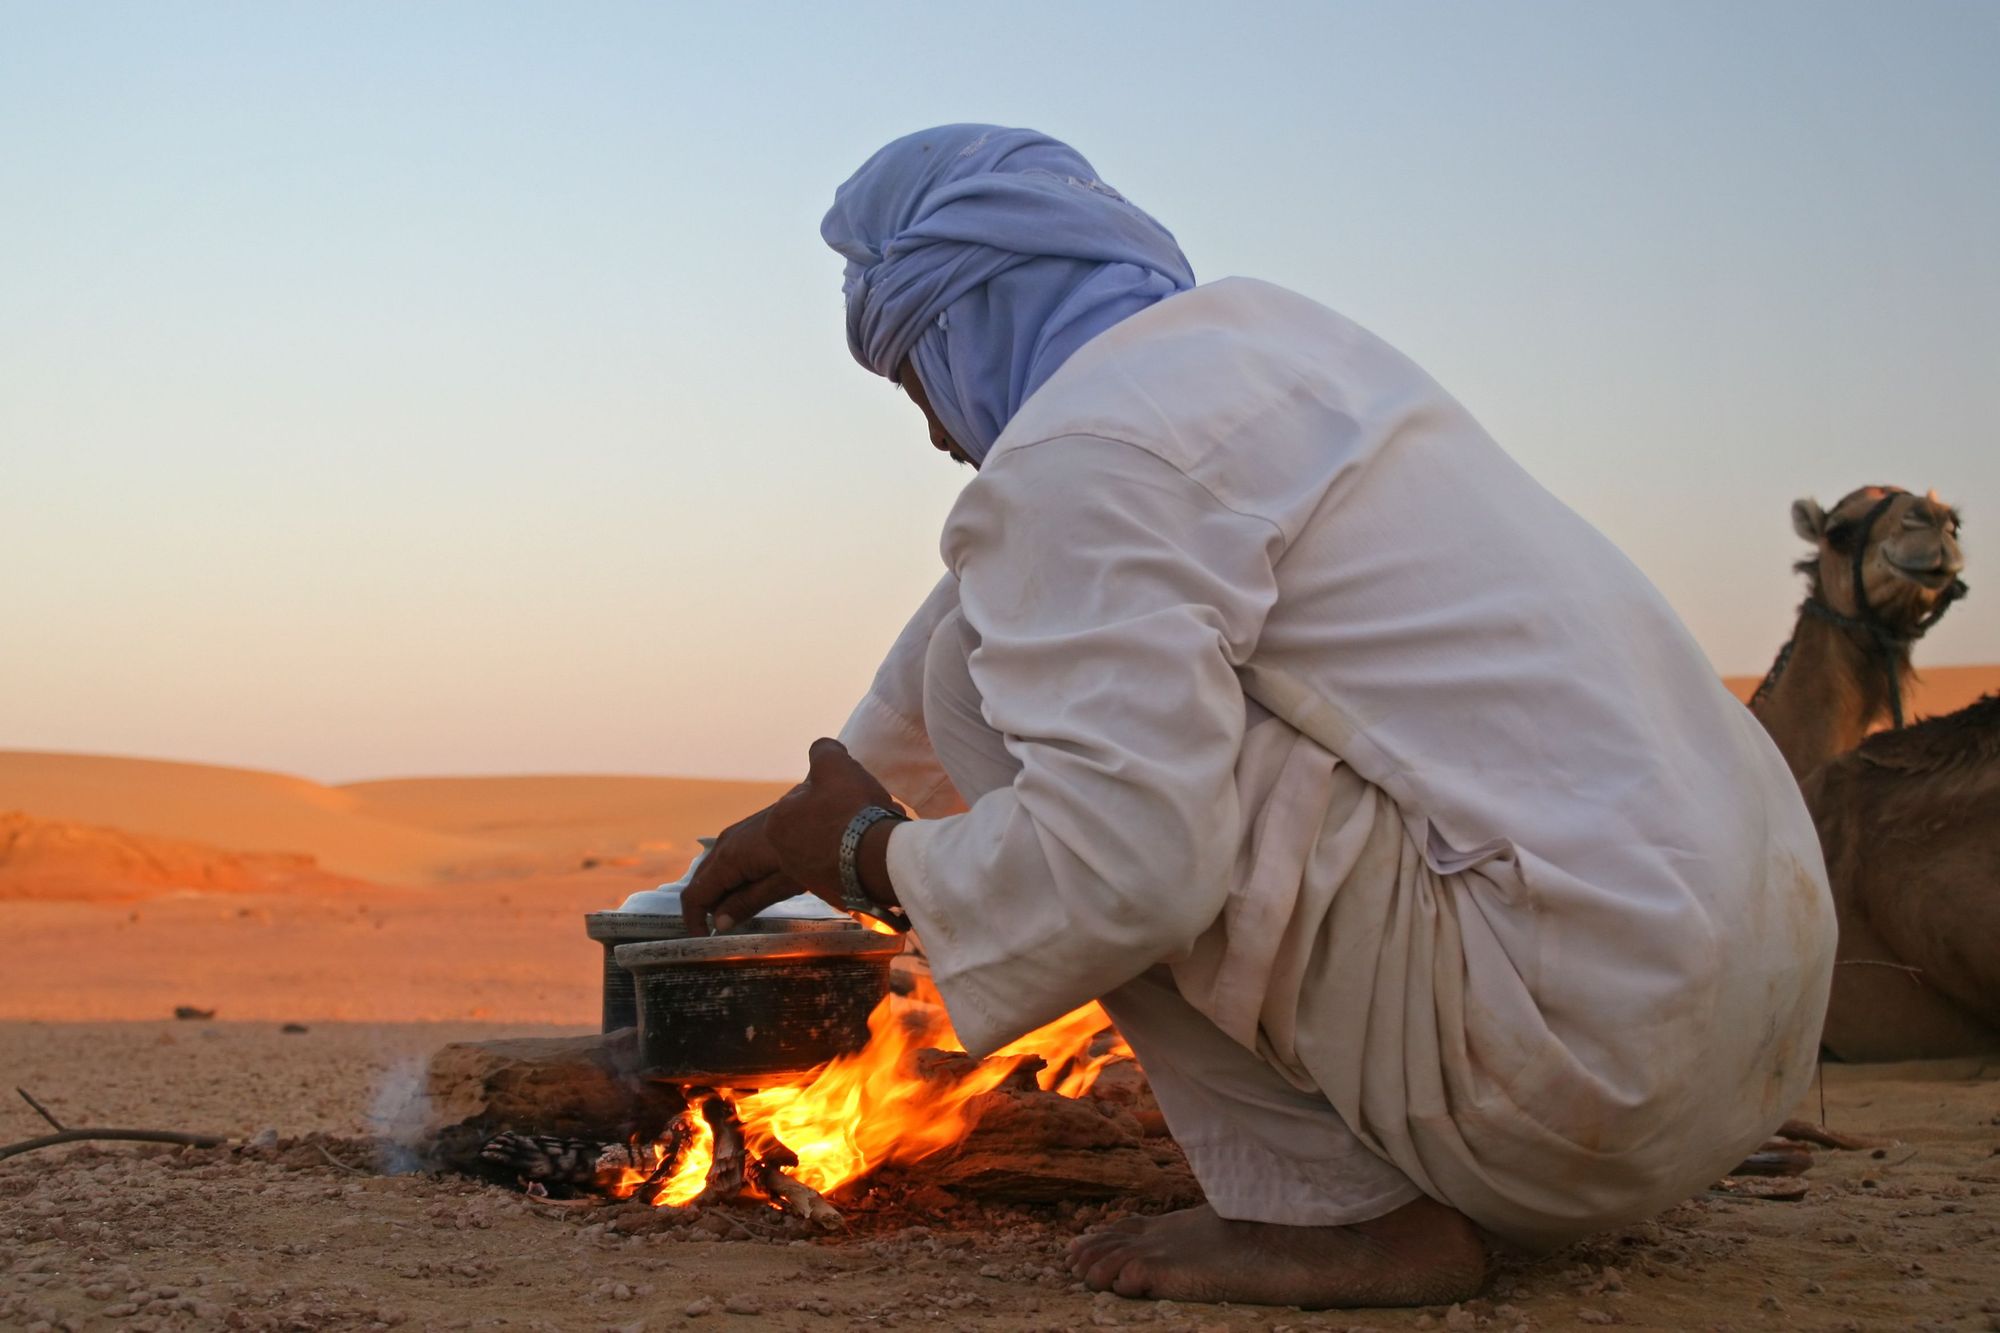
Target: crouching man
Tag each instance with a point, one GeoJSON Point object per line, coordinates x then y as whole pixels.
{"type": "Point", "coordinates": [1444, 893]}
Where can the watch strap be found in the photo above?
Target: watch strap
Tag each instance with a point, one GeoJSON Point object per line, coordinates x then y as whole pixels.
{"type": "Point", "coordinates": [853, 897]}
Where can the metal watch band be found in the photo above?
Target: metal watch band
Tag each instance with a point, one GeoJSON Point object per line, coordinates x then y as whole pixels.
{"type": "Point", "coordinates": [852, 896]}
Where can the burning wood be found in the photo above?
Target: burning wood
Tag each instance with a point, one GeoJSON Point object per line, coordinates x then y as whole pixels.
{"type": "Point", "coordinates": [1000, 1127]}
{"type": "Point", "coordinates": [726, 1166]}
{"type": "Point", "coordinates": [768, 1174]}
{"type": "Point", "coordinates": [680, 1135]}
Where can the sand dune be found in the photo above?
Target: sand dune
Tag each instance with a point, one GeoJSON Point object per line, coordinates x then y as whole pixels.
{"type": "Point", "coordinates": [236, 809]}
{"type": "Point", "coordinates": [1940, 690]}
{"type": "Point", "coordinates": [413, 832]}
{"type": "Point", "coordinates": [58, 859]}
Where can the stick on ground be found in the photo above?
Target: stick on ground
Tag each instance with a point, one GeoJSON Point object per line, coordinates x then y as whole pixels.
{"type": "Point", "coordinates": [41, 1110]}
{"type": "Point", "coordinates": [120, 1135]}
{"type": "Point", "coordinates": [1829, 1138]}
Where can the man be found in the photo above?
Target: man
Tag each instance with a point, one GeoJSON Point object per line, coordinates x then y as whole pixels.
{"type": "Point", "coordinates": [1441, 888]}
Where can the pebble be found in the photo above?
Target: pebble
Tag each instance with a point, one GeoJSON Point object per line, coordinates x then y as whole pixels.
{"type": "Point", "coordinates": [698, 1307]}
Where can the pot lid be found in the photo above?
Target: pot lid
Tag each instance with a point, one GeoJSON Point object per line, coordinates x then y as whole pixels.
{"type": "Point", "coordinates": [666, 901]}
{"type": "Point", "coordinates": [653, 955]}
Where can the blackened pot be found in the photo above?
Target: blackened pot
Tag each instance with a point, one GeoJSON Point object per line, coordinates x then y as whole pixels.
{"type": "Point", "coordinates": [612, 929]}
{"type": "Point", "coordinates": [737, 1010]}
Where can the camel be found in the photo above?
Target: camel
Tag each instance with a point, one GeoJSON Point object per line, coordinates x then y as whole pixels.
{"type": "Point", "coordinates": [1909, 818]}
{"type": "Point", "coordinates": [1884, 569]}
{"type": "Point", "coordinates": [1910, 823]}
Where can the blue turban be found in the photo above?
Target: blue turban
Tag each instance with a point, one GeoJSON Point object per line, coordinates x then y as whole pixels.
{"type": "Point", "coordinates": [986, 256]}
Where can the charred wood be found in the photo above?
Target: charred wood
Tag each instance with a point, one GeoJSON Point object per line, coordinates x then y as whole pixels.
{"type": "Point", "coordinates": [771, 1174]}
{"type": "Point", "coordinates": [726, 1172]}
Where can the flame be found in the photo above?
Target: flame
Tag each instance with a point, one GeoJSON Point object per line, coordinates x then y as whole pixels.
{"type": "Point", "coordinates": [1066, 1044]}
{"type": "Point", "coordinates": [691, 1175]}
{"type": "Point", "coordinates": [876, 1106]}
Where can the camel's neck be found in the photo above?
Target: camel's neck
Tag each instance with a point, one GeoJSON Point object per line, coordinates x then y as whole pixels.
{"type": "Point", "coordinates": [1829, 695]}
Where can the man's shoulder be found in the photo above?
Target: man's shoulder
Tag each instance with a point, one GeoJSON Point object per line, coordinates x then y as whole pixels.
{"type": "Point", "coordinates": [1214, 352]}
{"type": "Point", "coordinates": [1255, 392]}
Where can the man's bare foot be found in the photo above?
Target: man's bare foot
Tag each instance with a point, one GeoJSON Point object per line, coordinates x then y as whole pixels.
{"type": "Point", "coordinates": [1422, 1254]}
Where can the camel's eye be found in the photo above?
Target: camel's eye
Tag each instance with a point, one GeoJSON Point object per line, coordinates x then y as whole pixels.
{"type": "Point", "coordinates": [1842, 536]}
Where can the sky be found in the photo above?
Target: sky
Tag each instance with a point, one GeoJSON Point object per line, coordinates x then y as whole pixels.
{"type": "Point", "coordinates": [461, 388]}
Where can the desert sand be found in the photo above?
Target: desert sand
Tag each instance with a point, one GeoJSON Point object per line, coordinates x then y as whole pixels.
{"type": "Point", "coordinates": [387, 918]}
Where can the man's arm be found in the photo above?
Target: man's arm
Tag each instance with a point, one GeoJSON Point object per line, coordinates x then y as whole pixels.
{"type": "Point", "coordinates": [1113, 598]}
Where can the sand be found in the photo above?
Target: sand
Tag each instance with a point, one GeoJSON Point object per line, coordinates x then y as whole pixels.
{"type": "Point", "coordinates": [279, 1238]}
{"type": "Point", "coordinates": [454, 912]}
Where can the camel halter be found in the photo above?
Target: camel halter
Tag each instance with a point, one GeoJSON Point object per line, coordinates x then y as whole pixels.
{"type": "Point", "coordinates": [1885, 639]}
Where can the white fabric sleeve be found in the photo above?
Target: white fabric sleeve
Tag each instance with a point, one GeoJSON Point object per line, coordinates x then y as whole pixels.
{"type": "Point", "coordinates": [1113, 597]}
{"type": "Point", "coordinates": [886, 733]}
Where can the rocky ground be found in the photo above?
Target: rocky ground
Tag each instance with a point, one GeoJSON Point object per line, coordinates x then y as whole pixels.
{"type": "Point", "coordinates": [282, 1231]}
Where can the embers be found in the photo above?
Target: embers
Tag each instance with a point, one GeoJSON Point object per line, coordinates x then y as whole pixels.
{"type": "Point", "coordinates": [701, 1161]}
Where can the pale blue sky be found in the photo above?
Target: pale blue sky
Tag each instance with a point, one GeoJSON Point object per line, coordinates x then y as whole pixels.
{"type": "Point", "coordinates": [392, 389]}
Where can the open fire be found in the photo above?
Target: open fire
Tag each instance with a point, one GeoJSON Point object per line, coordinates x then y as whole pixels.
{"type": "Point", "coordinates": [895, 1101]}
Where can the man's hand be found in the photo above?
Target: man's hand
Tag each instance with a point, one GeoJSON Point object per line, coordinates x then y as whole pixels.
{"type": "Point", "coordinates": [790, 847]}
{"type": "Point", "coordinates": [804, 827]}
{"type": "Point", "coordinates": [739, 878]}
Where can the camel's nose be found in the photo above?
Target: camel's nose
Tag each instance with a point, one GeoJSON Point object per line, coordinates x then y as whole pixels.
{"type": "Point", "coordinates": [1941, 562]}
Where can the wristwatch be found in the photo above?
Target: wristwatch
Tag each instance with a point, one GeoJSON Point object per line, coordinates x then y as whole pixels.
{"type": "Point", "coordinates": [852, 896]}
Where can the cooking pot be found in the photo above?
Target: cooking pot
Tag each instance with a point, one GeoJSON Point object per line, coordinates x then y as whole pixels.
{"type": "Point", "coordinates": [748, 1008]}
{"type": "Point", "coordinates": [655, 914]}
{"type": "Point", "coordinates": [620, 1008]}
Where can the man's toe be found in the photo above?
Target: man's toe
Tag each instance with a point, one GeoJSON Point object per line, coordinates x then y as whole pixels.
{"type": "Point", "coordinates": [1100, 1264]}
{"type": "Point", "coordinates": [1132, 1278]}
{"type": "Point", "coordinates": [1086, 1250]}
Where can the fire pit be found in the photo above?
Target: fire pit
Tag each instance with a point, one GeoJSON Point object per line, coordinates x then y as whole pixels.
{"type": "Point", "coordinates": [771, 1065]}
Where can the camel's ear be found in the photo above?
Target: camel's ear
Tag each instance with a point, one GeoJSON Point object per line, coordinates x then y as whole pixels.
{"type": "Point", "coordinates": [1808, 519]}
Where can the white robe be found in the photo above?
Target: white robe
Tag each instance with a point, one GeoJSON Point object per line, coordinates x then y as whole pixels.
{"type": "Point", "coordinates": [1599, 972]}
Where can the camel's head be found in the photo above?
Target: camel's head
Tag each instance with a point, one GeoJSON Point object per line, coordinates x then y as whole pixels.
{"type": "Point", "coordinates": [1910, 559]}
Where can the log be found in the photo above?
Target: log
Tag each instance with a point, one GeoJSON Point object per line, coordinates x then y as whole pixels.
{"type": "Point", "coordinates": [560, 1087]}
{"type": "Point", "coordinates": [726, 1171]}
{"type": "Point", "coordinates": [952, 1067]}
{"type": "Point", "coordinates": [770, 1174]}
{"type": "Point", "coordinates": [1037, 1147]}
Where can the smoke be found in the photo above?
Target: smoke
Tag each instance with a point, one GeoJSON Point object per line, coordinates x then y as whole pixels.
{"type": "Point", "coordinates": [397, 1116]}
